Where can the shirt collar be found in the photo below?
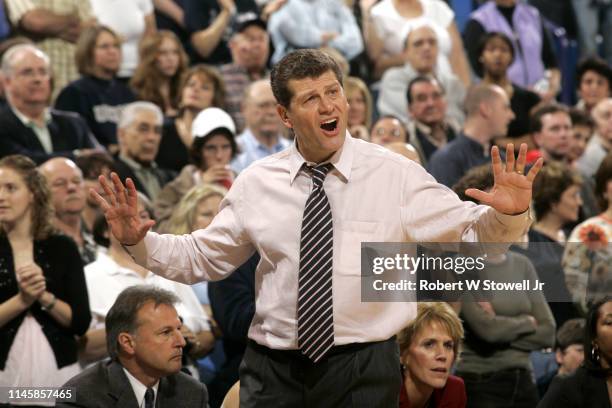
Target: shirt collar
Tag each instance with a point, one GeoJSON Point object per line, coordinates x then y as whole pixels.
{"type": "Point", "coordinates": [27, 121]}
{"type": "Point", "coordinates": [249, 139]}
{"type": "Point", "coordinates": [134, 164]}
{"type": "Point", "coordinates": [341, 159]}
{"type": "Point", "coordinates": [139, 388]}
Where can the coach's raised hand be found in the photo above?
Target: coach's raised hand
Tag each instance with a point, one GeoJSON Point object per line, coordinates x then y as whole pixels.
{"type": "Point", "coordinates": [120, 208]}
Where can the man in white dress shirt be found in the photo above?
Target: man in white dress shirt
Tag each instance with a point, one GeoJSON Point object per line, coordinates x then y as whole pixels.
{"type": "Point", "coordinates": [371, 194]}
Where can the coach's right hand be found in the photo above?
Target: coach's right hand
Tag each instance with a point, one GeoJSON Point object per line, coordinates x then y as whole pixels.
{"type": "Point", "coordinates": [120, 207]}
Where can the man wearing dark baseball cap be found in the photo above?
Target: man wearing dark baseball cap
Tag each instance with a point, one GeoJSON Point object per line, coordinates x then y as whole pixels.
{"type": "Point", "coordinates": [250, 49]}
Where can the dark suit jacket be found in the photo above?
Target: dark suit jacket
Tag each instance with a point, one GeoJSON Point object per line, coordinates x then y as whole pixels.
{"type": "Point", "coordinates": [105, 385]}
{"type": "Point", "coordinates": [124, 171]}
{"type": "Point", "coordinates": [68, 133]}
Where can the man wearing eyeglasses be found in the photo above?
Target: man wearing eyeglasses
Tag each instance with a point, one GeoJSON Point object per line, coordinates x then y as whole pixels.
{"type": "Point", "coordinates": [139, 135]}
{"type": "Point", "coordinates": [27, 125]}
{"type": "Point", "coordinates": [262, 135]}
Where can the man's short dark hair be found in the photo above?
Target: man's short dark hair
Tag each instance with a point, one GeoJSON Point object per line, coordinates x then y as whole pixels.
{"type": "Point", "coordinates": [93, 164]}
{"type": "Point", "coordinates": [535, 121]}
{"type": "Point", "coordinates": [571, 332]}
{"type": "Point", "coordinates": [596, 65]}
{"type": "Point", "coordinates": [581, 118]}
{"type": "Point", "coordinates": [480, 177]}
{"type": "Point", "coordinates": [482, 44]}
{"type": "Point", "coordinates": [300, 64]}
{"type": "Point", "coordinates": [122, 316]}
{"type": "Point", "coordinates": [422, 79]}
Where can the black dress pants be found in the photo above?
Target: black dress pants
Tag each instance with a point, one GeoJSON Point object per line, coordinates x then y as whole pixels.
{"type": "Point", "coordinates": [351, 376]}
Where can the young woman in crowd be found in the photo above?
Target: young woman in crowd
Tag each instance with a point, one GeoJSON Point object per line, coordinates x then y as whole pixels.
{"type": "Point", "coordinates": [587, 261]}
{"type": "Point", "coordinates": [201, 87]}
{"type": "Point", "coordinates": [158, 74]}
{"type": "Point", "coordinates": [211, 151]}
{"type": "Point", "coordinates": [591, 384]}
{"type": "Point", "coordinates": [360, 107]}
{"type": "Point", "coordinates": [496, 54]}
{"type": "Point", "coordinates": [133, 20]}
{"type": "Point", "coordinates": [43, 296]}
{"type": "Point", "coordinates": [429, 347]}
{"type": "Point", "coordinates": [97, 96]}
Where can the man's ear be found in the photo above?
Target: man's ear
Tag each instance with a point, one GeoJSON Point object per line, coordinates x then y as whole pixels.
{"type": "Point", "coordinates": [282, 112]}
{"type": "Point", "coordinates": [485, 110]}
{"type": "Point", "coordinates": [559, 357]}
{"type": "Point", "coordinates": [126, 343]}
{"type": "Point", "coordinates": [537, 138]}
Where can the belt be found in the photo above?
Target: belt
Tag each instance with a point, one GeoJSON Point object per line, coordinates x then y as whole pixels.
{"type": "Point", "coordinates": [297, 354]}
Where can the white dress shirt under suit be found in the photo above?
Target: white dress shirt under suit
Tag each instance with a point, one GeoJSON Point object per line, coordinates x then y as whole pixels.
{"type": "Point", "coordinates": [375, 196]}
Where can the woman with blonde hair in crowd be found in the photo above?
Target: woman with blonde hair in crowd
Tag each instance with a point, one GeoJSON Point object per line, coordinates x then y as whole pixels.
{"type": "Point", "coordinates": [201, 87]}
{"type": "Point", "coordinates": [360, 107]}
{"type": "Point", "coordinates": [43, 296]}
{"type": "Point", "coordinates": [158, 74]}
{"type": "Point", "coordinates": [429, 346]}
{"type": "Point", "coordinates": [196, 210]}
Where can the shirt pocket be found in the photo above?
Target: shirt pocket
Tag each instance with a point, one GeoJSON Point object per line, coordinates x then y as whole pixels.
{"type": "Point", "coordinates": [348, 239]}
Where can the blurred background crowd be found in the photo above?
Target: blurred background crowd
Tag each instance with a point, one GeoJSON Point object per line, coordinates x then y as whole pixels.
{"type": "Point", "coordinates": [175, 94]}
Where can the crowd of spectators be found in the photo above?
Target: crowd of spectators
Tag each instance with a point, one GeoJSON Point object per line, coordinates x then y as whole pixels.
{"type": "Point", "coordinates": [175, 94]}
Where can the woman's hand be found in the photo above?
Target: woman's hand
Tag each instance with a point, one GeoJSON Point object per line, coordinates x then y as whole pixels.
{"type": "Point", "coordinates": [217, 173]}
{"type": "Point", "coordinates": [31, 282]}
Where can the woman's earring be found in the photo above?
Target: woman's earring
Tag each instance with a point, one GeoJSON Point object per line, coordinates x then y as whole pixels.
{"type": "Point", "coordinates": [595, 353]}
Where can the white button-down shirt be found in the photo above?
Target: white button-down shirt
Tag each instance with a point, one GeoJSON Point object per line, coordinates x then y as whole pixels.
{"type": "Point", "coordinates": [375, 196]}
{"type": "Point", "coordinates": [140, 389]}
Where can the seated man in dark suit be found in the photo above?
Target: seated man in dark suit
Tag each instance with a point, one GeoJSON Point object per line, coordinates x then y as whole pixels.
{"type": "Point", "coordinates": [139, 135]}
{"type": "Point", "coordinates": [27, 125]}
{"type": "Point", "coordinates": [144, 340]}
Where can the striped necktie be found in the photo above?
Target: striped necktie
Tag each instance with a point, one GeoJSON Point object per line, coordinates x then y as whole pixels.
{"type": "Point", "coordinates": [315, 312]}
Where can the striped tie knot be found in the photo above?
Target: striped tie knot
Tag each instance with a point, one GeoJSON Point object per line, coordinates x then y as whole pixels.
{"type": "Point", "coordinates": [319, 173]}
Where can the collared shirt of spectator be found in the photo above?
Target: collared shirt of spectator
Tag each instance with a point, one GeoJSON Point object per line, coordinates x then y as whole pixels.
{"type": "Point", "coordinates": [59, 23]}
{"type": "Point", "coordinates": [139, 134]}
{"type": "Point", "coordinates": [27, 125]}
{"type": "Point", "coordinates": [429, 128]}
{"type": "Point", "coordinates": [68, 197]}
{"type": "Point", "coordinates": [263, 134]}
